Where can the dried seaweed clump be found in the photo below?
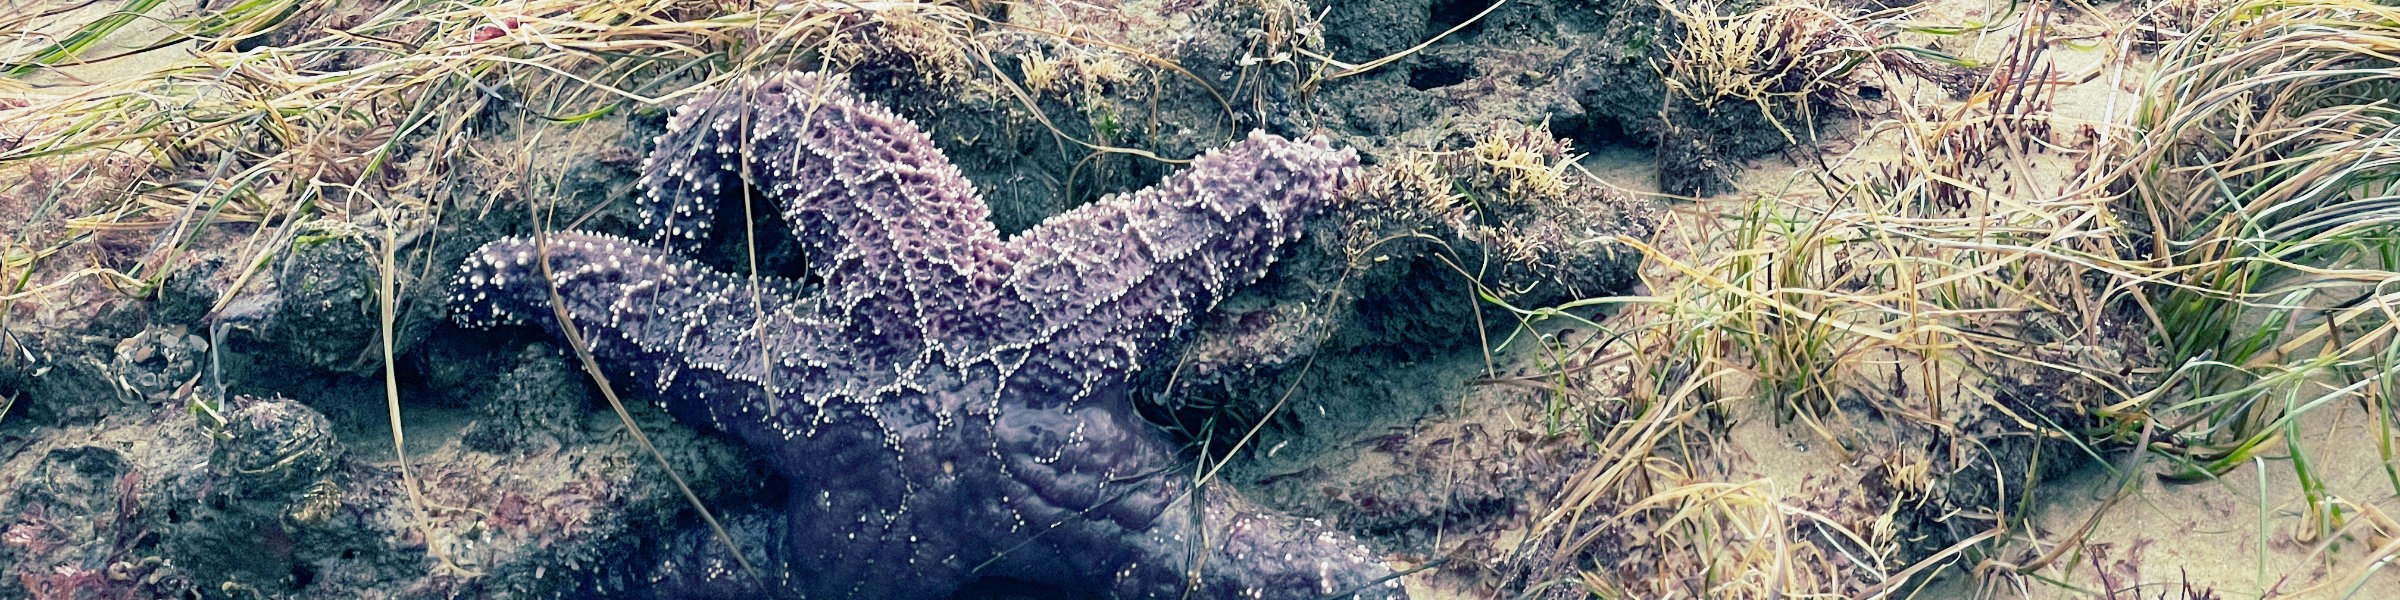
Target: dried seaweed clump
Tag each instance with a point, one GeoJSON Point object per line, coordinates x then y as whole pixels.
{"type": "Point", "coordinates": [1513, 211]}
{"type": "Point", "coordinates": [1743, 85]}
{"type": "Point", "coordinates": [1769, 57]}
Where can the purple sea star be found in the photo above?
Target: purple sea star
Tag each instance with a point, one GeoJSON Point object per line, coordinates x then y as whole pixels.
{"type": "Point", "coordinates": [949, 407]}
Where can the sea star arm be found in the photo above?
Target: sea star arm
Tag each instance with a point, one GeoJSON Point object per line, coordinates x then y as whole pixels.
{"type": "Point", "coordinates": [894, 231]}
{"type": "Point", "coordinates": [1103, 287]}
{"type": "Point", "coordinates": [1116, 510]}
{"type": "Point", "coordinates": [676, 325]}
{"type": "Point", "coordinates": [1136, 535]}
{"type": "Point", "coordinates": [1099, 291]}
{"type": "Point", "coordinates": [905, 249]}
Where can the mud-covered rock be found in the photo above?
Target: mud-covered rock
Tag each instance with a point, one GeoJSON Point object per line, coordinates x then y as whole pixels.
{"type": "Point", "coordinates": [1701, 87]}
{"type": "Point", "coordinates": [62, 319]}
{"type": "Point", "coordinates": [1742, 80]}
{"type": "Point", "coordinates": [1071, 102]}
{"type": "Point", "coordinates": [1993, 454]}
{"type": "Point", "coordinates": [186, 295]}
{"type": "Point", "coordinates": [1402, 269]}
{"type": "Point", "coordinates": [159, 504]}
{"type": "Point", "coordinates": [79, 518]}
{"type": "Point", "coordinates": [59, 363]}
{"type": "Point", "coordinates": [536, 406]}
{"type": "Point", "coordinates": [327, 316]}
{"type": "Point", "coordinates": [152, 365]}
{"type": "Point", "coordinates": [1522, 62]}
{"type": "Point", "coordinates": [1365, 30]}
{"type": "Point", "coordinates": [272, 447]}
{"type": "Point", "coordinates": [1455, 478]}
{"type": "Point", "coordinates": [194, 295]}
{"type": "Point", "coordinates": [1528, 227]}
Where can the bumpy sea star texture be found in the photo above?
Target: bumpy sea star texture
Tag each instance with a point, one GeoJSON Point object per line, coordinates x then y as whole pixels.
{"type": "Point", "coordinates": [949, 406]}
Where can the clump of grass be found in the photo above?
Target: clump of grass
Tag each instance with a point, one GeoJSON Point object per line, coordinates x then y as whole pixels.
{"type": "Point", "coordinates": [1780, 57]}
{"type": "Point", "coordinates": [1520, 225]}
{"type": "Point", "coordinates": [2240, 221]}
{"type": "Point", "coordinates": [1902, 302]}
{"type": "Point", "coordinates": [2264, 184]}
{"type": "Point", "coordinates": [1511, 212]}
{"type": "Point", "coordinates": [1744, 84]}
